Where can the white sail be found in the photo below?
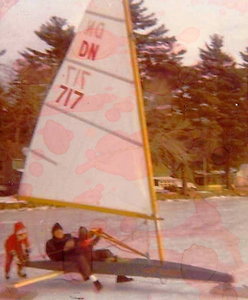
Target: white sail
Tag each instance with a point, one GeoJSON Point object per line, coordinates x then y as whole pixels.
{"type": "Point", "coordinates": [87, 147]}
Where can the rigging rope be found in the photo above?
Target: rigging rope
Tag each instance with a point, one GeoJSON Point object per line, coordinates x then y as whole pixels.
{"type": "Point", "coordinates": [115, 241]}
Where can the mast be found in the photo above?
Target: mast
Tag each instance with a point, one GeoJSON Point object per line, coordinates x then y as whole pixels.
{"type": "Point", "coordinates": [139, 95]}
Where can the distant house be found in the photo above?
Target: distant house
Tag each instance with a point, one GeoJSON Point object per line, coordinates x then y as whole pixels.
{"type": "Point", "coordinates": [169, 183]}
{"type": "Point", "coordinates": [10, 175]}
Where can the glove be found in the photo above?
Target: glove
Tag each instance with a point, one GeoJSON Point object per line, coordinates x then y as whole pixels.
{"type": "Point", "coordinates": [13, 253]}
{"type": "Point", "coordinates": [91, 233]}
{"type": "Point", "coordinates": [18, 261]}
{"type": "Point", "coordinates": [26, 254]}
{"type": "Point", "coordinates": [26, 257]}
{"type": "Point", "coordinates": [96, 230]}
{"type": "Point", "coordinates": [70, 244]}
{"type": "Point", "coordinates": [99, 230]}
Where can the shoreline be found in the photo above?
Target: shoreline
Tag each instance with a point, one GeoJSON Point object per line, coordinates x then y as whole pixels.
{"type": "Point", "coordinates": [8, 203]}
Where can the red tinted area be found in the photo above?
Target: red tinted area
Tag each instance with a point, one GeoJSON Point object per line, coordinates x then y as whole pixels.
{"type": "Point", "coordinates": [206, 212]}
{"type": "Point", "coordinates": [25, 189]}
{"type": "Point", "coordinates": [36, 169]}
{"type": "Point", "coordinates": [56, 137]}
{"type": "Point", "coordinates": [91, 197]}
{"type": "Point", "coordinates": [118, 157]}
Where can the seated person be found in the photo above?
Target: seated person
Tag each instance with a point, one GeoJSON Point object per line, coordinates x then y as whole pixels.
{"type": "Point", "coordinates": [86, 241]}
{"type": "Point", "coordinates": [62, 248]}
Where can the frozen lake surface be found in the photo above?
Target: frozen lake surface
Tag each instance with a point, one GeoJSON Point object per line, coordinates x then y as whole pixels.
{"type": "Point", "coordinates": [211, 234]}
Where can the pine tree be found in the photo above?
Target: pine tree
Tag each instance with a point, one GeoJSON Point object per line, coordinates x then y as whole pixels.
{"type": "Point", "coordinates": [215, 101]}
{"type": "Point", "coordinates": [244, 56]}
{"type": "Point", "coordinates": [244, 72]}
{"type": "Point", "coordinates": [58, 36]}
{"type": "Point", "coordinates": [153, 44]}
{"type": "Point", "coordinates": [34, 74]}
{"type": "Point", "coordinates": [159, 66]}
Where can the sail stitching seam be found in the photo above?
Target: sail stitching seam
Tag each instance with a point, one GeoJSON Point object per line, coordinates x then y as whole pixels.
{"type": "Point", "coordinates": [95, 125]}
{"type": "Point", "coordinates": [105, 16]}
{"type": "Point", "coordinates": [100, 71]}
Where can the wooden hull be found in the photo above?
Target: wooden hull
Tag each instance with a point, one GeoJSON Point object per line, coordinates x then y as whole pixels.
{"type": "Point", "coordinates": [142, 268]}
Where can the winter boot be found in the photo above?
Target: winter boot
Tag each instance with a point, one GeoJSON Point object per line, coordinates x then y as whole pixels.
{"type": "Point", "coordinates": [21, 274]}
{"type": "Point", "coordinates": [97, 286]}
{"type": "Point", "coordinates": [121, 279]}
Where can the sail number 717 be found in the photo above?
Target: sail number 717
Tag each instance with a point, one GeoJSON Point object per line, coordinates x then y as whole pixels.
{"type": "Point", "coordinates": [66, 96]}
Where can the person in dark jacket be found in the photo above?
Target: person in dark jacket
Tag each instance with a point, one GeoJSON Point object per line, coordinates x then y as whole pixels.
{"type": "Point", "coordinates": [86, 241]}
{"type": "Point", "coordinates": [62, 248]}
{"type": "Point", "coordinates": [55, 246]}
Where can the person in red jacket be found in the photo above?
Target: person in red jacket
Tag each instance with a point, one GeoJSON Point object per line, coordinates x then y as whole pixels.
{"type": "Point", "coordinates": [86, 241]}
{"type": "Point", "coordinates": [17, 245]}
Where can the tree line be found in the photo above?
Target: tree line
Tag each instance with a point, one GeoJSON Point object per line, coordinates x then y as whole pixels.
{"type": "Point", "coordinates": [196, 115]}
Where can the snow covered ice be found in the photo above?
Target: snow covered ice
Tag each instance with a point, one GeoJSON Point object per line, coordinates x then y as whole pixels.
{"type": "Point", "coordinates": [212, 235]}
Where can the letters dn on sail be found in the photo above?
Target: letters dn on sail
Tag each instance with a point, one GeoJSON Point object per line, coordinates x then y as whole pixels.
{"type": "Point", "coordinates": [89, 49]}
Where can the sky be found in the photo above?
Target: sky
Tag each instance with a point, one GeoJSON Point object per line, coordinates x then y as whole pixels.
{"type": "Point", "coordinates": [191, 21]}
